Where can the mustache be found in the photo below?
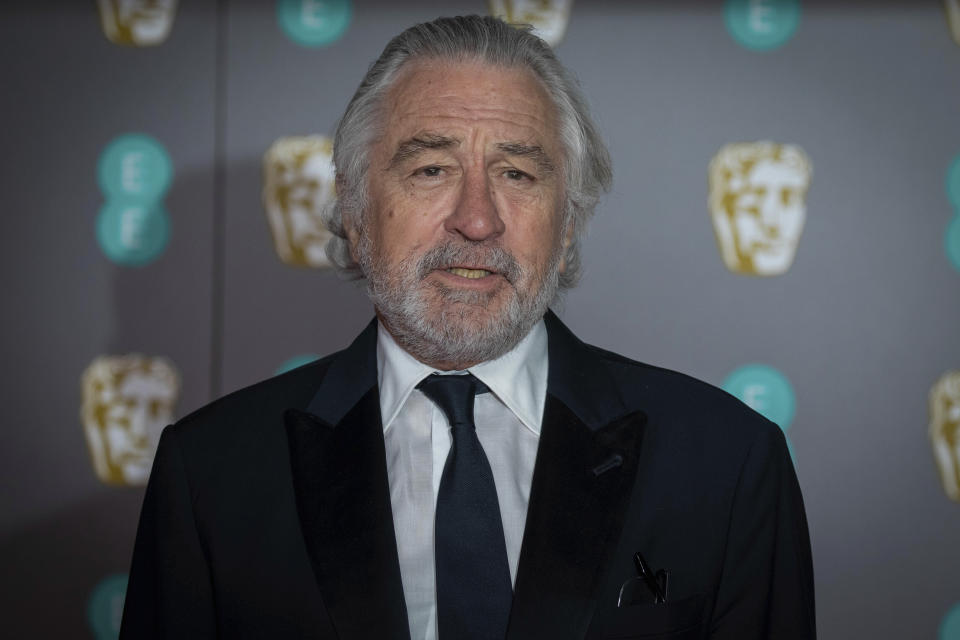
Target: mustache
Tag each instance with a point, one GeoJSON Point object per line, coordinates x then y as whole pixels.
{"type": "Point", "coordinates": [451, 254]}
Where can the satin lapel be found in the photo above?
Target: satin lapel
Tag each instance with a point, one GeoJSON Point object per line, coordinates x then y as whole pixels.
{"type": "Point", "coordinates": [343, 498]}
{"type": "Point", "coordinates": [581, 486]}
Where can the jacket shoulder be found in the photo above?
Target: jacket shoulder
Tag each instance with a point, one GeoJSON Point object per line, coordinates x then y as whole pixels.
{"type": "Point", "coordinates": [684, 403]}
{"type": "Point", "coordinates": [258, 406]}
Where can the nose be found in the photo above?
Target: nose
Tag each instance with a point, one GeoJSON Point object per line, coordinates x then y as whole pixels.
{"type": "Point", "coordinates": [475, 216]}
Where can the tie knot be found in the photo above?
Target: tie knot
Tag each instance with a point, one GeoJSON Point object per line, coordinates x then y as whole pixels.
{"type": "Point", "coordinates": [454, 395]}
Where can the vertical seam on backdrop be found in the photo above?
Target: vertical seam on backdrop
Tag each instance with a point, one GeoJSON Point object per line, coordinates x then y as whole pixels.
{"type": "Point", "coordinates": [219, 200]}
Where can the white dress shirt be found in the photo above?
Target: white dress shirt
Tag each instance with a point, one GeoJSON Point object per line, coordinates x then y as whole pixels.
{"type": "Point", "coordinates": [417, 439]}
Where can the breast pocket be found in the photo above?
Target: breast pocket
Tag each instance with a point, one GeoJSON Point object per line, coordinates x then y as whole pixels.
{"type": "Point", "coordinates": [679, 620]}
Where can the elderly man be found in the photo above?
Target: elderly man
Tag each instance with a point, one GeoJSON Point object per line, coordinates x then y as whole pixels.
{"type": "Point", "coordinates": [467, 468]}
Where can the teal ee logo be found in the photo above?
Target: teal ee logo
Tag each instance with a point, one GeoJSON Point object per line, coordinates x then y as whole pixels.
{"type": "Point", "coordinates": [950, 625]}
{"type": "Point", "coordinates": [296, 361]}
{"type": "Point", "coordinates": [134, 173]}
{"type": "Point", "coordinates": [952, 238]}
{"type": "Point", "coordinates": [765, 390]}
{"type": "Point", "coordinates": [953, 183]}
{"type": "Point", "coordinates": [761, 25]}
{"type": "Point", "coordinates": [105, 607]}
{"type": "Point", "coordinates": [314, 23]}
{"type": "Point", "coordinates": [952, 241]}
{"type": "Point", "coordinates": [131, 233]}
{"type": "Point", "coordinates": [134, 166]}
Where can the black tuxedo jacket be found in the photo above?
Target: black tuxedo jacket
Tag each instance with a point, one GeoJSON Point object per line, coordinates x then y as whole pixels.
{"type": "Point", "coordinates": [268, 514]}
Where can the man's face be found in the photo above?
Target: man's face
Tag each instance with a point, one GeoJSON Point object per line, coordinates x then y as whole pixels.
{"type": "Point", "coordinates": [463, 235]}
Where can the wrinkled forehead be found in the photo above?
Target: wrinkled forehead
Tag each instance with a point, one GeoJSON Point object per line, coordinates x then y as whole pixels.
{"type": "Point", "coordinates": [428, 89]}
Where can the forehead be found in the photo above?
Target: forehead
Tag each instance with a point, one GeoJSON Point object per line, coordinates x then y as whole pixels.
{"type": "Point", "coordinates": [457, 97]}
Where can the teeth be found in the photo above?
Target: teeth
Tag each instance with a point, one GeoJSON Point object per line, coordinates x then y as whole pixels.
{"type": "Point", "coordinates": [473, 274]}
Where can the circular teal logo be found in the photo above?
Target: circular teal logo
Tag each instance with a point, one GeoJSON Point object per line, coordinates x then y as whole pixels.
{"type": "Point", "coordinates": [950, 625]}
{"type": "Point", "coordinates": [132, 233]}
{"type": "Point", "coordinates": [296, 361]}
{"type": "Point", "coordinates": [314, 23]}
{"type": "Point", "coordinates": [105, 607]}
{"type": "Point", "coordinates": [953, 183]}
{"type": "Point", "coordinates": [134, 166]}
{"type": "Point", "coordinates": [761, 25]}
{"type": "Point", "coordinates": [765, 390]}
{"type": "Point", "coordinates": [952, 241]}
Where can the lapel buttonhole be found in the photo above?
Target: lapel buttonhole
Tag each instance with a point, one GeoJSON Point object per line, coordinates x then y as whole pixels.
{"type": "Point", "coordinates": [612, 462]}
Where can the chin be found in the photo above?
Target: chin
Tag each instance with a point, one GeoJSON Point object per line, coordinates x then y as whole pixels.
{"type": "Point", "coordinates": [463, 330]}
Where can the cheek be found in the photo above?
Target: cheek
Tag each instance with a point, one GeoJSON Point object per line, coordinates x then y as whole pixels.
{"type": "Point", "coordinates": [536, 245]}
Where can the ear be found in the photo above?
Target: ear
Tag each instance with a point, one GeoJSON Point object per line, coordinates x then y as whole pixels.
{"type": "Point", "coordinates": [565, 243]}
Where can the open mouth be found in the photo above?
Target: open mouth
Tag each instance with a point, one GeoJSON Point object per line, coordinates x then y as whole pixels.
{"type": "Point", "coordinates": [472, 274]}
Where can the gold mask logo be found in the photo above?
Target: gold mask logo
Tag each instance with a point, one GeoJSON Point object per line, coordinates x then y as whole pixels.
{"type": "Point", "coordinates": [137, 23]}
{"type": "Point", "coordinates": [758, 205]}
{"type": "Point", "coordinates": [298, 184]}
{"type": "Point", "coordinates": [945, 431]}
{"type": "Point", "coordinates": [953, 18]}
{"type": "Point", "coordinates": [548, 18]}
{"type": "Point", "coordinates": [127, 401]}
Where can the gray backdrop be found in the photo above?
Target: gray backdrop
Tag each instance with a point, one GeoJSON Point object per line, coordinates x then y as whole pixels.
{"type": "Point", "coordinates": [863, 323]}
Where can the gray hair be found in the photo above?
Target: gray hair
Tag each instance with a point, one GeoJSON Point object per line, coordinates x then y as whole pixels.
{"type": "Point", "coordinates": [586, 164]}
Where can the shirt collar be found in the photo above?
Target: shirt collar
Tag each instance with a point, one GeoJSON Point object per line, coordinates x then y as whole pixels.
{"type": "Point", "coordinates": [518, 377]}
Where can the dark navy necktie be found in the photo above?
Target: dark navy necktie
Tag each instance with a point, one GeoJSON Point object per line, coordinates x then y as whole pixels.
{"type": "Point", "coordinates": [473, 578]}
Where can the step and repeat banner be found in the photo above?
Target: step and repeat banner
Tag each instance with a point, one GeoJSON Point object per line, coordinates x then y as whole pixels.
{"type": "Point", "coordinates": [785, 224]}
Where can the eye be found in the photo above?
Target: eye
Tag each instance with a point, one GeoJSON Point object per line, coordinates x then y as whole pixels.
{"type": "Point", "coordinates": [514, 174]}
{"type": "Point", "coordinates": [429, 172]}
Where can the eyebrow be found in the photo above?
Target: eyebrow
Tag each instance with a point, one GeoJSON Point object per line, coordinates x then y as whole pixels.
{"type": "Point", "coordinates": [532, 151]}
{"type": "Point", "coordinates": [416, 145]}
{"type": "Point", "coordinates": [412, 147]}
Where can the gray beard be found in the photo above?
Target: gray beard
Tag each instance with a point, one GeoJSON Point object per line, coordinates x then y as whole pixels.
{"type": "Point", "coordinates": [459, 332]}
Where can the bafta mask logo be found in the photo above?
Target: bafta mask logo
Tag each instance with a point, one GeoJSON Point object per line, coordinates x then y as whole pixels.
{"type": "Point", "coordinates": [127, 401]}
{"type": "Point", "coordinates": [298, 184]}
{"type": "Point", "coordinates": [945, 431]}
{"type": "Point", "coordinates": [548, 18]}
{"type": "Point", "coordinates": [137, 23]}
{"type": "Point", "coordinates": [953, 18]}
{"type": "Point", "coordinates": [758, 205]}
